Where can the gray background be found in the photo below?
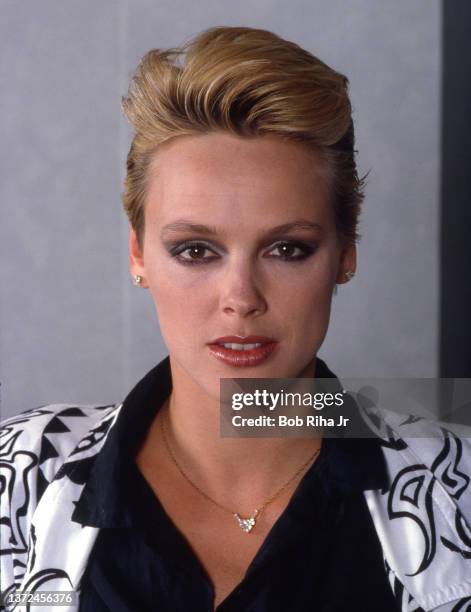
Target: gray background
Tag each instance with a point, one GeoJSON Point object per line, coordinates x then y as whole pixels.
{"type": "Point", "coordinates": [73, 328]}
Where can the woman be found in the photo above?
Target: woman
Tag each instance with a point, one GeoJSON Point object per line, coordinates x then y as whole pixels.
{"type": "Point", "coordinates": [243, 200]}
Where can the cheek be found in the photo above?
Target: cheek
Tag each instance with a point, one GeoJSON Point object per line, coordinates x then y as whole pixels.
{"type": "Point", "coordinates": [311, 303]}
{"type": "Point", "coordinates": [182, 306]}
{"type": "Point", "coordinates": [172, 286]}
{"type": "Point", "coordinates": [309, 298]}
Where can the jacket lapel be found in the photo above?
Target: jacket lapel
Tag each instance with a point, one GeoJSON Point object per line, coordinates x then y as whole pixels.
{"type": "Point", "coordinates": [59, 547]}
{"type": "Point", "coordinates": [425, 537]}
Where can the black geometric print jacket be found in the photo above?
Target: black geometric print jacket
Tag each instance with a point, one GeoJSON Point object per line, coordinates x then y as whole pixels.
{"type": "Point", "coordinates": [423, 521]}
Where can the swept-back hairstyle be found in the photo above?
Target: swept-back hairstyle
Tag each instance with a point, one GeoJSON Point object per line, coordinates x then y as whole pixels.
{"type": "Point", "coordinates": [247, 82]}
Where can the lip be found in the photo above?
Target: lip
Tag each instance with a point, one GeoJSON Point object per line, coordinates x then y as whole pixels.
{"type": "Point", "coordinates": [252, 357]}
{"type": "Point", "coordinates": [242, 340]}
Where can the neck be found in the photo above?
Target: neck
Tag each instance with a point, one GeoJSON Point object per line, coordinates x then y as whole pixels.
{"type": "Point", "coordinates": [255, 465]}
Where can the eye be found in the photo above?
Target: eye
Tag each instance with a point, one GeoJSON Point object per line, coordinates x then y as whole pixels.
{"type": "Point", "coordinates": [193, 253]}
{"type": "Point", "coordinates": [292, 250]}
{"type": "Point", "coordinates": [203, 253]}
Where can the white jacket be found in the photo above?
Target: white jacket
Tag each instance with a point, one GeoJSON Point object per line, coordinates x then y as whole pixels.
{"type": "Point", "coordinates": [423, 521]}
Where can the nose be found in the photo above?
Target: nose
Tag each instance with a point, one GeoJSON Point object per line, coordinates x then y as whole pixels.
{"type": "Point", "coordinates": [240, 292]}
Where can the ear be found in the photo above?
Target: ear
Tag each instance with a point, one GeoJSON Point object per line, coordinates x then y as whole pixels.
{"type": "Point", "coordinates": [347, 263]}
{"type": "Point", "coordinates": [136, 258]}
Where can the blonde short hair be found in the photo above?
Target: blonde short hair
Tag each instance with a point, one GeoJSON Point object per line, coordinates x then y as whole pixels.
{"type": "Point", "coordinates": [248, 82]}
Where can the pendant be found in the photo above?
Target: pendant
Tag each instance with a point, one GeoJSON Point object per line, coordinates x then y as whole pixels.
{"type": "Point", "coordinates": [247, 524]}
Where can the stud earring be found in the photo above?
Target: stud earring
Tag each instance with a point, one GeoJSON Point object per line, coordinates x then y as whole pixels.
{"type": "Point", "coordinates": [349, 274]}
{"type": "Point", "coordinates": [137, 279]}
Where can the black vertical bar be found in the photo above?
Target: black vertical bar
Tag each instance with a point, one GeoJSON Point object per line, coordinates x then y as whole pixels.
{"type": "Point", "coordinates": [455, 239]}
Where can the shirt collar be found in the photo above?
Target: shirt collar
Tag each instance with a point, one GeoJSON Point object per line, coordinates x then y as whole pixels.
{"type": "Point", "coordinates": [105, 495]}
{"type": "Point", "coordinates": [344, 465]}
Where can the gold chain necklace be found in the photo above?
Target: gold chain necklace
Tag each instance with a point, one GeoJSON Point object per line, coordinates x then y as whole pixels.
{"type": "Point", "coordinates": [246, 524]}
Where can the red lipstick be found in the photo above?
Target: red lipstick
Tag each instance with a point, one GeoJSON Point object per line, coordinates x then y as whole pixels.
{"type": "Point", "coordinates": [233, 350]}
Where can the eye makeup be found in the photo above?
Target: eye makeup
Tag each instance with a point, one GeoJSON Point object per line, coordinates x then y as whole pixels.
{"type": "Point", "coordinates": [200, 252]}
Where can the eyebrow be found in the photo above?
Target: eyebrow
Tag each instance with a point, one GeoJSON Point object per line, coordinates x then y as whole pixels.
{"type": "Point", "coordinates": [183, 225]}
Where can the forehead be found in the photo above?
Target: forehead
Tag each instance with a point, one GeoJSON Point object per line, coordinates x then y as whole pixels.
{"type": "Point", "coordinates": [217, 176]}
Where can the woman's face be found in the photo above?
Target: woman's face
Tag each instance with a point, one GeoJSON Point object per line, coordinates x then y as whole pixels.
{"type": "Point", "coordinates": [239, 241]}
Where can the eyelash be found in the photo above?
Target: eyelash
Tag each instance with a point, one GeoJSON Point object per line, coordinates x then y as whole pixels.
{"type": "Point", "coordinates": [306, 251]}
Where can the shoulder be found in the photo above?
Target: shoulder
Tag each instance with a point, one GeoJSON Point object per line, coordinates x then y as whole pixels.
{"type": "Point", "coordinates": [443, 449]}
{"type": "Point", "coordinates": [34, 445]}
{"type": "Point", "coordinates": [424, 439]}
{"type": "Point", "coordinates": [45, 436]}
{"type": "Point", "coordinates": [423, 519]}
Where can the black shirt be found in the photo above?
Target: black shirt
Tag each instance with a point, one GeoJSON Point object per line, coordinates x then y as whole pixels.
{"type": "Point", "coordinates": [321, 555]}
